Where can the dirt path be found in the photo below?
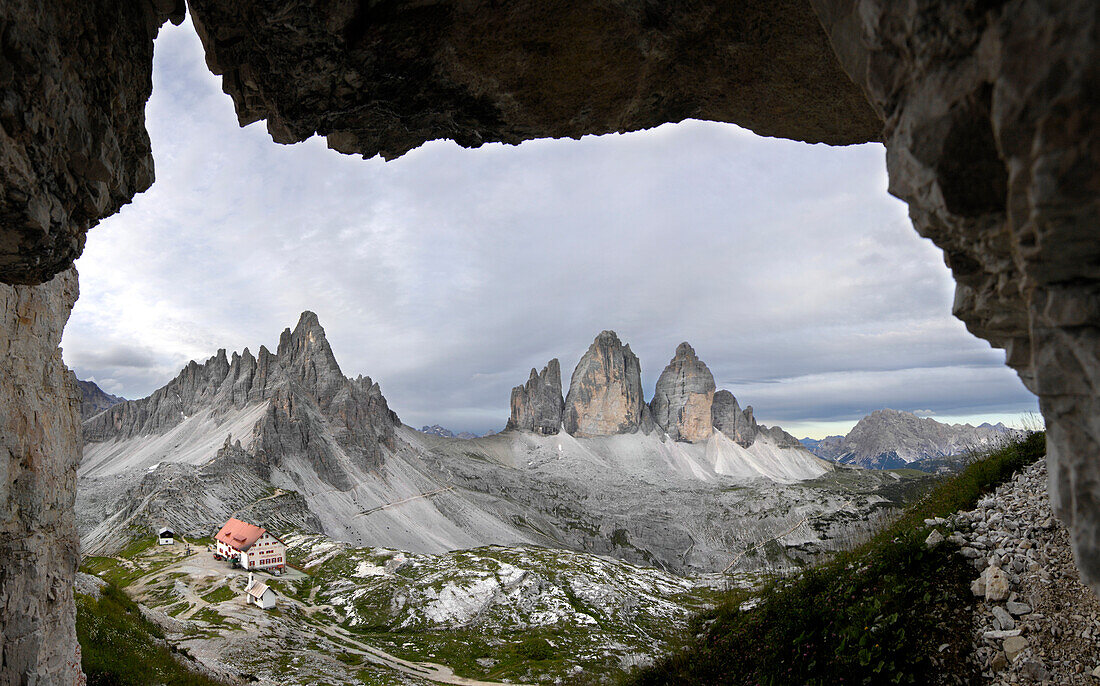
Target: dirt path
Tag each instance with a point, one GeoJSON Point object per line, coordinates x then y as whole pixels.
{"type": "Point", "coordinates": [406, 500]}
{"type": "Point", "coordinates": [200, 564]}
{"type": "Point", "coordinates": [278, 492]}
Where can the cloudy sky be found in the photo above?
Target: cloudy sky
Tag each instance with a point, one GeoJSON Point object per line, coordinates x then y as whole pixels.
{"type": "Point", "coordinates": [447, 274]}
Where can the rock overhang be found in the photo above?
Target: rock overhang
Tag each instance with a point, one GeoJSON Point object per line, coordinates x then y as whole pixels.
{"type": "Point", "coordinates": [1013, 84]}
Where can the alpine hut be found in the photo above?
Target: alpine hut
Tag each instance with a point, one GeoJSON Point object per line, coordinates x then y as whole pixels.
{"type": "Point", "coordinates": [254, 547]}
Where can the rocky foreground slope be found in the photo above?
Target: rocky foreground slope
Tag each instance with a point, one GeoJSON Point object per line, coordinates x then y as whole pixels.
{"type": "Point", "coordinates": [684, 482]}
{"type": "Point", "coordinates": [1037, 622]}
{"type": "Point", "coordinates": [886, 439]}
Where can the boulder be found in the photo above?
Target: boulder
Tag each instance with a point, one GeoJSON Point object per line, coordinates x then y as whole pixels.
{"type": "Point", "coordinates": [1014, 645]}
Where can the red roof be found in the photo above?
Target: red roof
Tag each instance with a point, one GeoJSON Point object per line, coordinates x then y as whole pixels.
{"type": "Point", "coordinates": [239, 535]}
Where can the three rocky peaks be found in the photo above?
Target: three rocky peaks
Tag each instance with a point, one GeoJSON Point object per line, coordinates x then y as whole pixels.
{"type": "Point", "coordinates": [605, 398]}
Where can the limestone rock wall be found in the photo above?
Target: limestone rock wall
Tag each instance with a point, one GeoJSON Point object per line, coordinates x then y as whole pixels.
{"type": "Point", "coordinates": [605, 392]}
{"type": "Point", "coordinates": [383, 78]}
{"type": "Point", "coordinates": [39, 451]}
{"type": "Point", "coordinates": [74, 78]}
{"type": "Point", "coordinates": [683, 397]}
{"type": "Point", "coordinates": [730, 419]}
{"type": "Point", "coordinates": [991, 115]}
{"type": "Point", "coordinates": [537, 405]}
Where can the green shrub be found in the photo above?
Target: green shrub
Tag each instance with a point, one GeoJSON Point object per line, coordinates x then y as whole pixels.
{"type": "Point", "coordinates": [535, 648]}
{"type": "Point", "coordinates": [879, 614]}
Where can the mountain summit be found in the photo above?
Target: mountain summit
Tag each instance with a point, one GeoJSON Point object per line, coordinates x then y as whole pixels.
{"type": "Point", "coordinates": [537, 405]}
{"type": "Point", "coordinates": [889, 438]}
{"type": "Point", "coordinates": [683, 398]}
{"type": "Point", "coordinates": [605, 393]}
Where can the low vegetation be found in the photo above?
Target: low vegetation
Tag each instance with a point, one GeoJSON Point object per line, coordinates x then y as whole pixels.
{"type": "Point", "coordinates": [890, 611]}
{"type": "Point", "coordinates": [119, 647]}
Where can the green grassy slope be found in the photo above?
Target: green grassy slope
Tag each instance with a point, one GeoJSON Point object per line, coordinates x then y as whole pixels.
{"type": "Point", "coordinates": [890, 611]}
{"type": "Point", "coordinates": [119, 647]}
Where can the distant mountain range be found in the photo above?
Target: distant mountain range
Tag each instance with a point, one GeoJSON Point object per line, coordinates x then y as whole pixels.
{"type": "Point", "coordinates": [887, 439]}
{"type": "Point", "coordinates": [285, 439]}
{"type": "Point", "coordinates": [442, 432]}
{"type": "Point", "coordinates": [94, 400]}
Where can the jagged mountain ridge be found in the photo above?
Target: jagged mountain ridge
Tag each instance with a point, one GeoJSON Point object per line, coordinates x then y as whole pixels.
{"type": "Point", "coordinates": [605, 398]}
{"type": "Point", "coordinates": [888, 438]}
{"type": "Point", "coordinates": [346, 467]}
{"type": "Point", "coordinates": [94, 399]}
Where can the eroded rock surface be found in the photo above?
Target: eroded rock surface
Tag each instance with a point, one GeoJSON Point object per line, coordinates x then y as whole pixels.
{"type": "Point", "coordinates": [74, 78]}
{"type": "Point", "coordinates": [39, 452]}
{"type": "Point", "coordinates": [537, 405]}
{"type": "Point", "coordinates": [605, 392]}
{"type": "Point", "coordinates": [683, 397]}
{"type": "Point", "coordinates": [298, 390]}
{"type": "Point", "coordinates": [730, 419]}
{"type": "Point", "coordinates": [741, 426]}
{"type": "Point", "coordinates": [383, 79]}
{"type": "Point", "coordinates": [94, 399]}
{"type": "Point", "coordinates": [991, 115]}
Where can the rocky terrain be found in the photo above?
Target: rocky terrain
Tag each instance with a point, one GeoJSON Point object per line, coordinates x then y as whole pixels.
{"type": "Point", "coordinates": [286, 439]}
{"type": "Point", "coordinates": [887, 439]}
{"type": "Point", "coordinates": [1037, 621]}
{"type": "Point", "coordinates": [112, 511]}
{"type": "Point", "coordinates": [94, 400]}
{"type": "Point", "coordinates": [376, 615]}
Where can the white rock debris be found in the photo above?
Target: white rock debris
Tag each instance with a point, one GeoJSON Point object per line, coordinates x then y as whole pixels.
{"type": "Point", "coordinates": [1036, 623]}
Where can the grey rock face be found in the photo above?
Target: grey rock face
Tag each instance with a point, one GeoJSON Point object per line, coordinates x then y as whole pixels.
{"type": "Point", "coordinates": [39, 452]}
{"type": "Point", "coordinates": [312, 410]}
{"type": "Point", "coordinates": [728, 418]}
{"type": "Point", "coordinates": [305, 356]}
{"type": "Point", "coordinates": [971, 102]}
{"type": "Point", "coordinates": [76, 78]}
{"type": "Point", "coordinates": [94, 400]}
{"type": "Point", "coordinates": [605, 393]}
{"type": "Point", "coordinates": [683, 398]}
{"type": "Point", "coordinates": [476, 66]}
{"type": "Point", "coordinates": [537, 405]}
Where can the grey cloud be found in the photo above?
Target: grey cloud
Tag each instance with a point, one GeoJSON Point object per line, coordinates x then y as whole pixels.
{"type": "Point", "coordinates": [113, 356]}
